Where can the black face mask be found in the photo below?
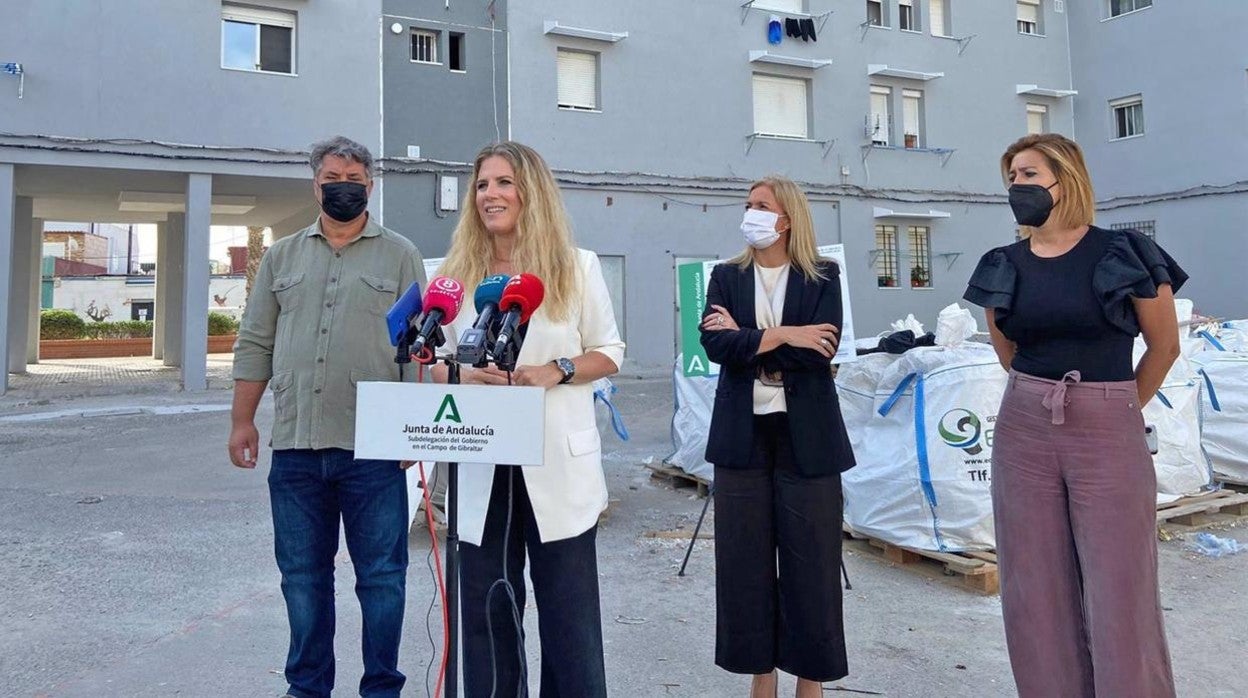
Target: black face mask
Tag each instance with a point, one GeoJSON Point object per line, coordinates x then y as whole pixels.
{"type": "Point", "coordinates": [1031, 203]}
{"type": "Point", "coordinates": [344, 201]}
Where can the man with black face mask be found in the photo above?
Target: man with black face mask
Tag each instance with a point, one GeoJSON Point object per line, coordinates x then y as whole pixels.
{"type": "Point", "coordinates": [314, 327]}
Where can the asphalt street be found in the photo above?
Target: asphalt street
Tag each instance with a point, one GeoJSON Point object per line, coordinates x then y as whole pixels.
{"type": "Point", "coordinates": [135, 561]}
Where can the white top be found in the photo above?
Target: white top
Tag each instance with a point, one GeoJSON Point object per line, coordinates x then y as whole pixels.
{"type": "Point", "coordinates": [568, 491]}
{"type": "Point", "coordinates": [770, 284]}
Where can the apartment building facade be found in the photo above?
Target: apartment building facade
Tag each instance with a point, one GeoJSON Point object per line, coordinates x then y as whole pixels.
{"type": "Point", "coordinates": [655, 117]}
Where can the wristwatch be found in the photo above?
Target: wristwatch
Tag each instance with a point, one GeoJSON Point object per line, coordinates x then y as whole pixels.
{"type": "Point", "coordinates": [567, 367]}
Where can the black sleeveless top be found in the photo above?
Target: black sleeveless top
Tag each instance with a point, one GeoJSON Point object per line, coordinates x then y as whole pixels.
{"type": "Point", "coordinates": [1074, 312]}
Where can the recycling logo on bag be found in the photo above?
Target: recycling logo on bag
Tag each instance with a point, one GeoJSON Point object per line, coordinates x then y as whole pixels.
{"type": "Point", "coordinates": [962, 429]}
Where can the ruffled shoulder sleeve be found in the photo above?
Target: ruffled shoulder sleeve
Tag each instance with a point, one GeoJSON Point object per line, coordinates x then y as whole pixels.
{"type": "Point", "coordinates": [992, 284]}
{"type": "Point", "coordinates": [1133, 267]}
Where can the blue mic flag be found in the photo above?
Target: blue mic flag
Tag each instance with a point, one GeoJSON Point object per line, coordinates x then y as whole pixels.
{"type": "Point", "coordinates": [489, 291]}
{"type": "Point", "coordinates": [400, 315]}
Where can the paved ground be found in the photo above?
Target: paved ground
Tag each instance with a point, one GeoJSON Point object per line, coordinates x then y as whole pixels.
{"type": "Point", "coordinates": [64, 379]}
{"type": "Point", "coordinates": [134, 561]}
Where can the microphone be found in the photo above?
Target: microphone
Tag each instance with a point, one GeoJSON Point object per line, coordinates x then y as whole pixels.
{"type": "Point", "coordinates": [441, 303]}
{"type": "Point", "coordinates": [472, 344]}
{"type": "Point", "coordinates": [403, 312]}
{"type": "Point", "coordinates": [521, 296]}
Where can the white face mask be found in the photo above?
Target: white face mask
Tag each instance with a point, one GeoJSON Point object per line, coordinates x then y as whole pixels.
{"type": "Point", "coordinates": [759, 228]}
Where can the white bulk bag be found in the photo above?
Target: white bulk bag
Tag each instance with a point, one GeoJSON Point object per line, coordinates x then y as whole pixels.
{"type": "Point", "coordinates": [924, 453]}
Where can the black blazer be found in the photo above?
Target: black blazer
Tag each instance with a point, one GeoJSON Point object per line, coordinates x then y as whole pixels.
{"type": "Point", "coordinates": [820, 443]}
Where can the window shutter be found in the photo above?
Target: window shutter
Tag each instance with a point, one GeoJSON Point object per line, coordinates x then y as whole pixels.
{"type": "Point", "coordinates": [936, 17]}
{"type": "Point", "coordinates": [255, 15]}
{"type": "Point", "coordinates": [1028, 12]}
{"type": "Point", "coordinates": [1035, 118]}
{"type": "Point", "coordinates": [878, 127]}
{"type": "Point", "coordinates": [578, 79]}
{"type": "Point", "coordinates": [780, 106]}
{"type": "Point", "coordinates": [910, 101]}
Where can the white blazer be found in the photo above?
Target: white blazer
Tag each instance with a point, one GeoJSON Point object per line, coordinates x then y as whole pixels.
{"type": "Point", "coordinates": [568, 491]}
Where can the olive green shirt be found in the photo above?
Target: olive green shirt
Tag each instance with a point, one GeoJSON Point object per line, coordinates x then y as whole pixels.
{"type": "Point", "coordinates": [315, 326]}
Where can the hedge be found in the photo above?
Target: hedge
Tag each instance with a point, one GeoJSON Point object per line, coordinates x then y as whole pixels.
{"type": "Point", "coordinates": [220, 323]}
{"type": "Point", "coordinates": [60, 324]}
{"type": "Point", "coordinates": [124, 329]}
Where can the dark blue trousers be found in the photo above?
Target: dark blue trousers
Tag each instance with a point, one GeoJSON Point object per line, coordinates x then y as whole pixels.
{"type": "Point", "coordinates": [311, 491]}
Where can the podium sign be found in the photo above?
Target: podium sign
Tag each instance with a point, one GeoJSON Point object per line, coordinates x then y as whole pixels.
{"type": "Point", "coordinates": [456, 423]}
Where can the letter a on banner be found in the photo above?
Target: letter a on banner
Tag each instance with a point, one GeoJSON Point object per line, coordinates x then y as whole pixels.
{"type": "Point", "coordinates": [448, 410]}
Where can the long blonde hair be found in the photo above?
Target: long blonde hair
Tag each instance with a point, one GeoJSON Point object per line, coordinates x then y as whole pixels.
{"type": "Point", "coordinates": [543, 244]}
{"type": "Point", "coordinates": [1065, 158]}
{"type": "Point", "coordinates": [802, 249]}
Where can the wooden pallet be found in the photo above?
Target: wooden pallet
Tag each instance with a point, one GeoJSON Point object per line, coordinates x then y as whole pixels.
{"type": "Point", "coordinates": [1203, 510]}
{"type": "Point", "coordinates": [975, 570]}
{"type": "Point", "coordinates": [678, 478]}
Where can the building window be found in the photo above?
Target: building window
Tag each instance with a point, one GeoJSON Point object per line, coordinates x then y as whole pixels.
{"type": "Point", "coordinates": [578, 79]}
{"type": "Point", "coordinates": [911, 117]}
{"type": "Point", "coordinates": [455, 51]}
{"type": "Point", "coordinates": [1037, 118]}
{"type": "Point", "coordinates": [921, 256]}
{"type": "Point", "coordinates": [425, 46]}
{"type": "Point", "coordinates": [875, 13]}
{"type": "Point", "coordinates": [879, 123]}
{"type": "Point", "coordinates": [780, 106]}
{"type": "Point", "coordinates": [938, 17]}
{"type": "Point", "coordinates": [1122, 7]}
{"type": "Point", "coordinates": [257, 40]}
{"type": "Point", "coordinates": [886, 256]}
{"type": "Point", "coordinates": [908, 21]}
{"type": "Point", "coordinates": [1128, 116]}
{"type": "Point", "coordinates": [1149, 228]}
{"type": "Point", "coordinates": [1029, 17]}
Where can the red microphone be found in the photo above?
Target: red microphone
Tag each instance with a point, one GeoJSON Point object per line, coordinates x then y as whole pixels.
{"type": "Point", "coordinates": [521, 297]}
{"type": "Point", "coordinates": [442, 301]}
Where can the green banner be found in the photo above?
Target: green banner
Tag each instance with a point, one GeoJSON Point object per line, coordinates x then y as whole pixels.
{"type": "Point", "coordinates": [693, 278]}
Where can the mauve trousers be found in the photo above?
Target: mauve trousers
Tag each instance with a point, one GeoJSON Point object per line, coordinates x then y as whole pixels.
{"type": "Point", "coordinates": [1074, 498]}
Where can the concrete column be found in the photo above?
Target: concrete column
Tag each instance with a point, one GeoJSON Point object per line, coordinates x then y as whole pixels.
{"type": "Point", "coordinates": [162, 288]}
{"type": "Point", "coordinates": [175, 265]}
{"type": "Point", "coordinates": [195, 296]}
{"type": "Point", "coordinates": [36, 291]}
{"type": "Point", "coordinates": [7, 202]}
{"type": "Point", "coordinates": [19, 282]}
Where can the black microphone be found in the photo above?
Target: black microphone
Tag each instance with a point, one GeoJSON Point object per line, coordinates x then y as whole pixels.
{"type": "Point", "coordinates": [521, 297]}
{"type": "Point", "coordinates": [472, 349]}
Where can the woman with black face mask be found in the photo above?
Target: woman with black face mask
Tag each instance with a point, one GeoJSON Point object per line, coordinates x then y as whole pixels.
{"type": "Point", "coordinates": [1073, 485]}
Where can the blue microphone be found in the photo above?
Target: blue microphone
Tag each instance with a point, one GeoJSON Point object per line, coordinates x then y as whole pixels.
{"type": "Point", "coordinates": [472, 345]}
{"type": "Point", "coordinates": [400, 316]}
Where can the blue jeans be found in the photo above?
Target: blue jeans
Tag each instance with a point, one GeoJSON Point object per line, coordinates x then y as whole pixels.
{"type": "Point", "coordinates": [565, 582]}
{"type": "Point", "coordinates": [310, 491]}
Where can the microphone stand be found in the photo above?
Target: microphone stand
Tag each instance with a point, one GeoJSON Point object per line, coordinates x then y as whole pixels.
{"type": "Point", "coordinates": [507, 362]}
{"type": "Point", "coordinates": [452, 557]}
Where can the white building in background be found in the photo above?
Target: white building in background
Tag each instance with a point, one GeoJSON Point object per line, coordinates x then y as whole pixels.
{"type": "Point", "coordinates": [134, 297]}
{"type": "Point", "coordinates": [118, 252]}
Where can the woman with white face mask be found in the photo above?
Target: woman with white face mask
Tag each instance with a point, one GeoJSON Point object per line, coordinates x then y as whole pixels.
{"type": "Point", "coordinates": [779, 447]}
